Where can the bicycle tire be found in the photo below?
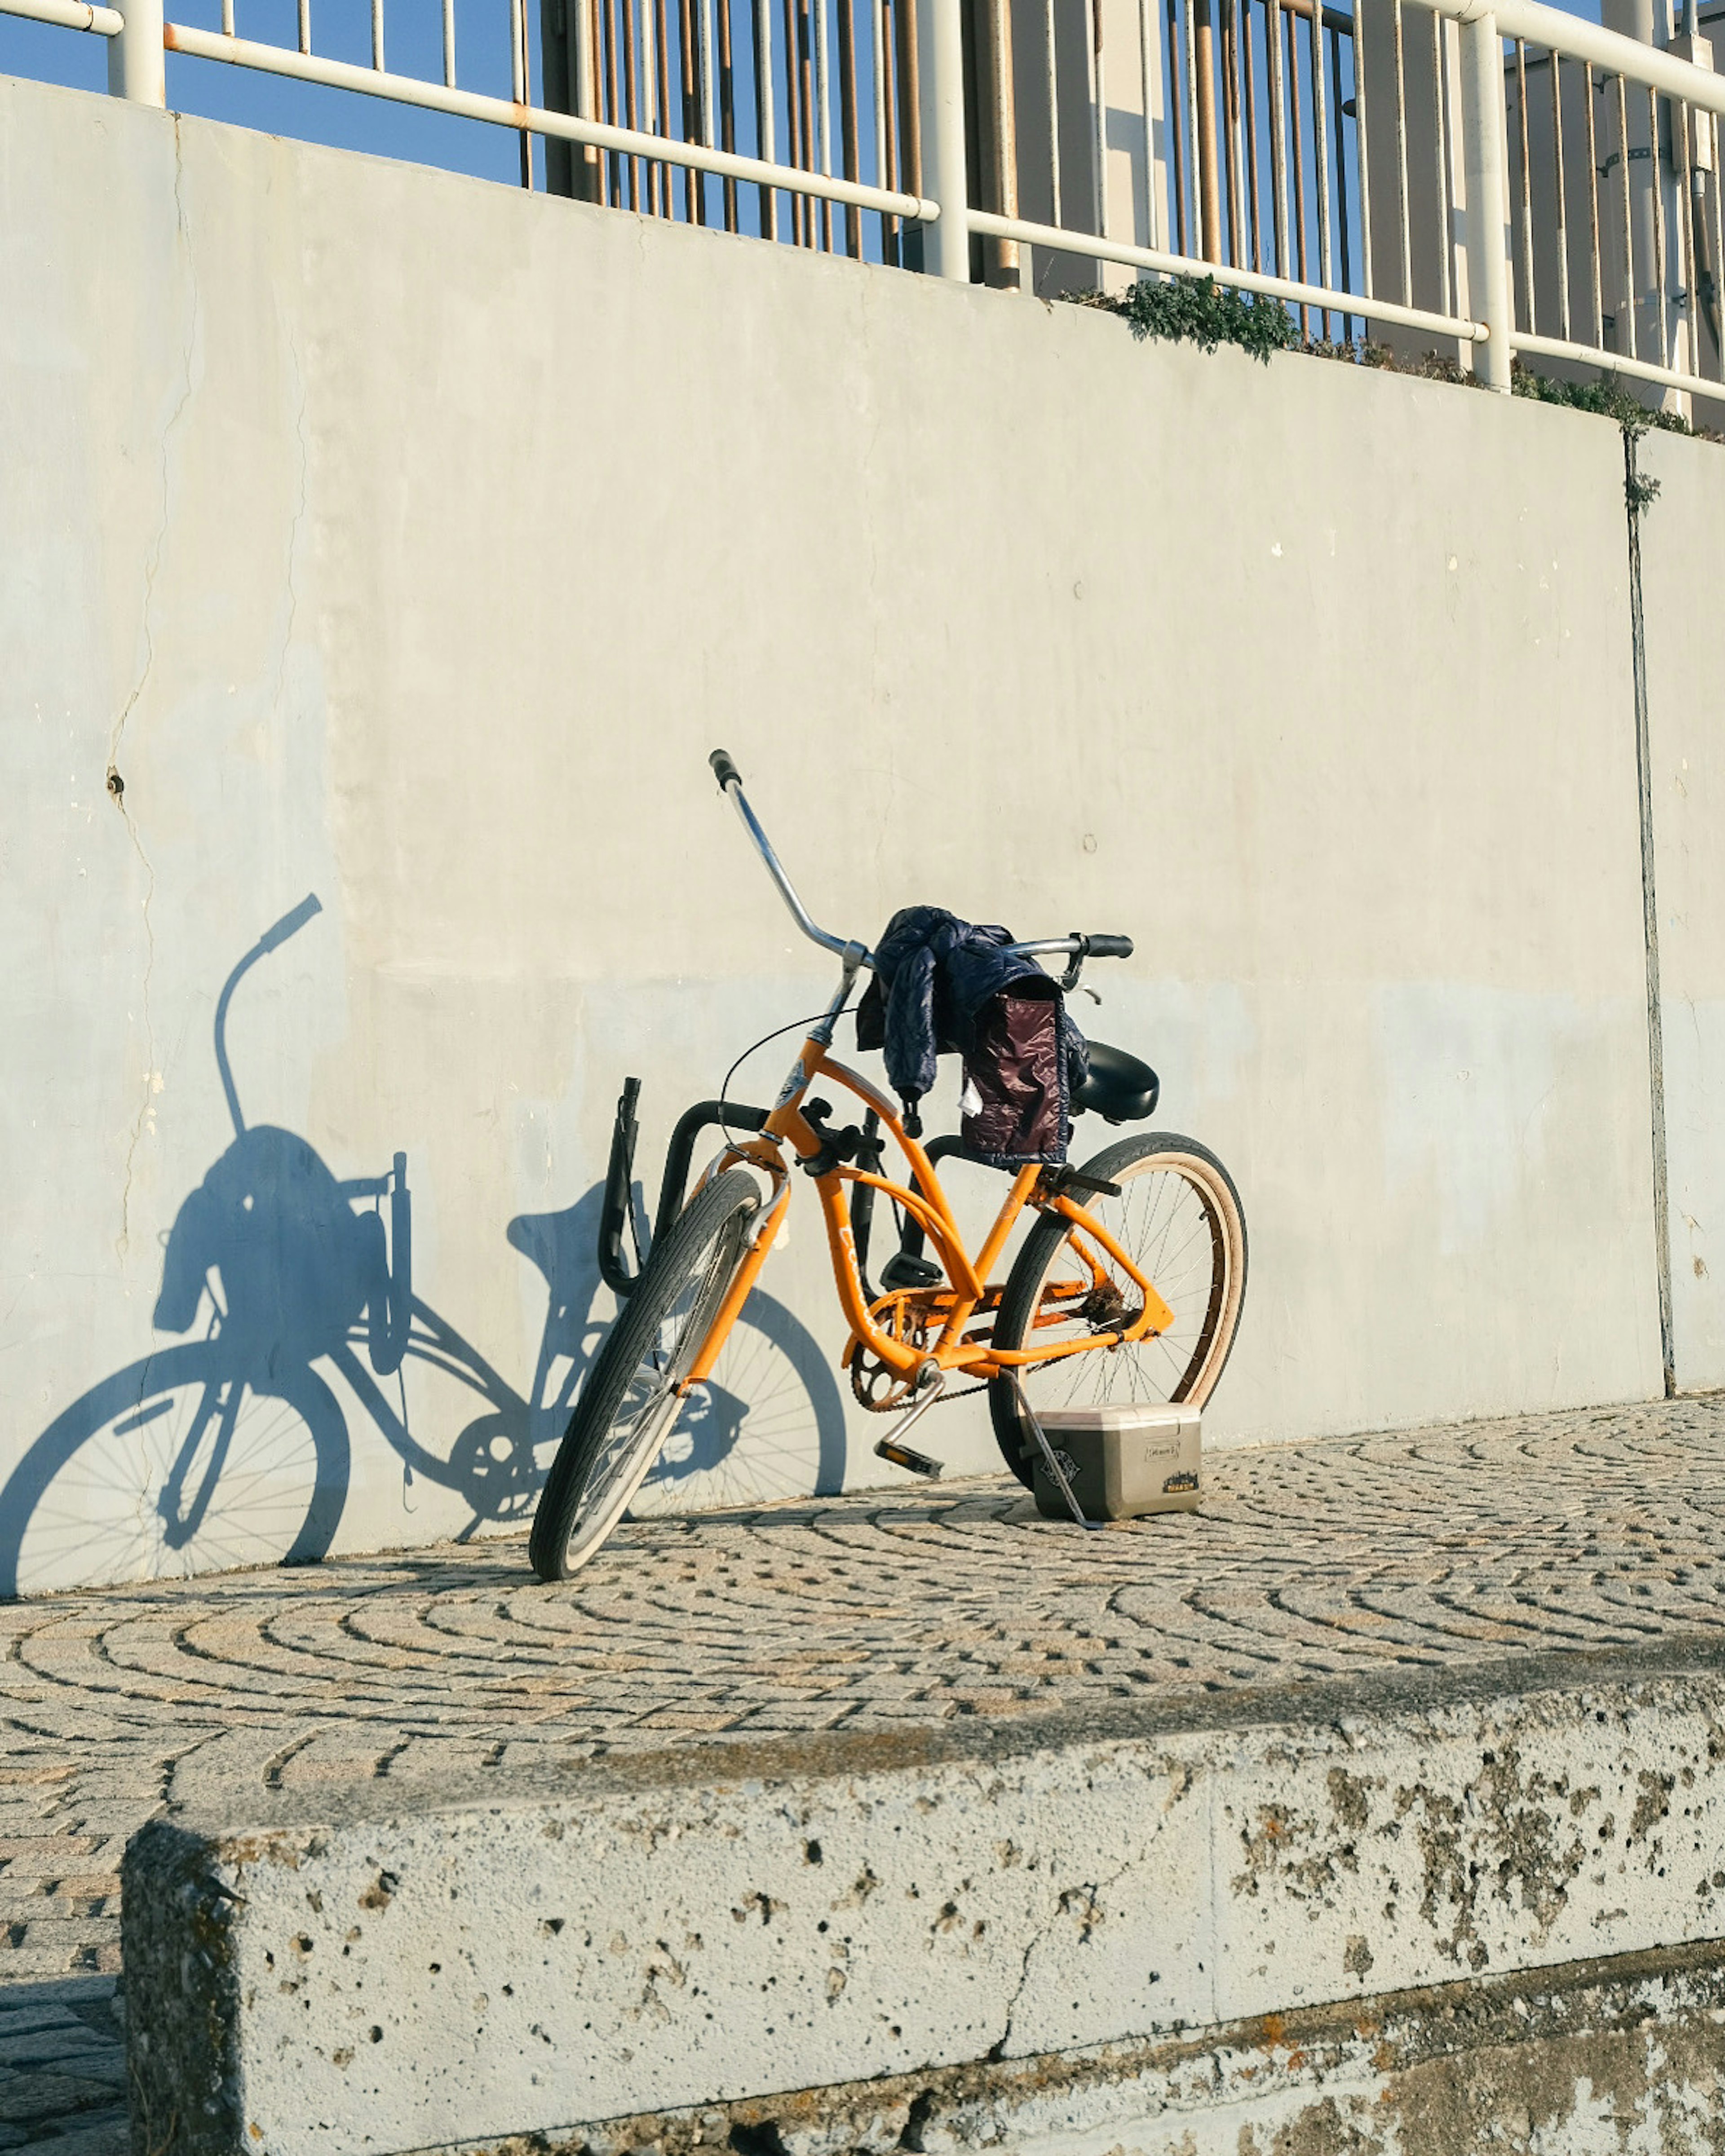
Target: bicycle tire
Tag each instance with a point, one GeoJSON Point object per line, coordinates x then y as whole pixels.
{"type": "Point", "coordinates": [1204, 1282]}
{"type": "Point", "coordinates": [772, 1425]}
{"type": "Point", "coordinates": [629, 1403]}
{"type": "Point", "coordinates": [271, 1503]}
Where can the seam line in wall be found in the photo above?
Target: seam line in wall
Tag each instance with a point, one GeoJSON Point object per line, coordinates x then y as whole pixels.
{"type": "Point", "coordinates": [1633, 499]}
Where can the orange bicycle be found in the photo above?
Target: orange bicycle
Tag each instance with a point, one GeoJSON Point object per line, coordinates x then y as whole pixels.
{"type": "Point", "coordinates": [1126, 1290]}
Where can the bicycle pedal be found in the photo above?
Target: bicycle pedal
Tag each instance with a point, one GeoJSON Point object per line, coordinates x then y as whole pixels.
{"type": "Point", "coordinates": [905, 1456]}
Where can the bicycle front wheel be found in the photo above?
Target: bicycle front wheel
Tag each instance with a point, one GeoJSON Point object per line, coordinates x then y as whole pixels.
{"type": "Point", "coordinates": [629, 1403]}
{"type": "Point", "coordinates": [1179, 1218]}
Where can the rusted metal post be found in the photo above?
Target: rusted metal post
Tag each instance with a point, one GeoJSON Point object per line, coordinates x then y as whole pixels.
{"type": "Point", "coordinates": [693, 182]}
{"type": "Point", "coordinates": [136, 65]}
{"type": "Point", "coordinates": [667, 207]}
{"type": "Point", "coordinates": [891, 228]}
{"type": "Point", "coordinates": [788, 11]}
{"type": "Point", "coordinates": [727, 108]}
{"type": "Point", "coordinates": [566, 43]}
{"type": "Point", "coordinates": [999, 134]}
{"type": "Point", "coordinates": [1209, 199]}
{"type": "Point", "coordinates": [850, 139]}
{"type": "Point", "coordinates": [584, 60]}
{"type": "Point", "coordinates": [1230, 121]}
{"type": "Point", "coordinates": [908, 105]}
{"type": "Point", "coordinates": [521, 82]}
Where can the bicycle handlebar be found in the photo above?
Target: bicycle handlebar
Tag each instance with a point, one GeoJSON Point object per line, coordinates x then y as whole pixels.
{"type": "Point", "coordinates": [729, 780]}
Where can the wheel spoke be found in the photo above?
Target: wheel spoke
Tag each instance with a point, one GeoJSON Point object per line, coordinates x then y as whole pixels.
{"type": "Point", "coordinates": [632, 1400]}
{"type": "Point", "coordinates": [1173, 1220]}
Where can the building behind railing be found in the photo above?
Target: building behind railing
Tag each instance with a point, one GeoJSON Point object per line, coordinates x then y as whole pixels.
{"type": "Point", "coordinates": [1521, 185]}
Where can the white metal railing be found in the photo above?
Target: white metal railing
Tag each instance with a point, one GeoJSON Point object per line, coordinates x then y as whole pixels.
{"type": "Point", "coordinates": [1513, 178]}
{"type": "Point", "coordinates": [628, 76]}
{"type": "Point", "coordinates": [656, 149]}
{"type": "Point", "coordinates": [70, 15]}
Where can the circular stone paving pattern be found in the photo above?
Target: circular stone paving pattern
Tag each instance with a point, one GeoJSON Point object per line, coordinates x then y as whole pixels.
{"type": "Point", "coordinates": [1438, 1547]}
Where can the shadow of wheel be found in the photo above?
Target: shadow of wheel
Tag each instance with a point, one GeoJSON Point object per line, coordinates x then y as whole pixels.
{"type": "Point", "coordinates": [133, 1480]}
{"type": "Point", "coordinates": [767, 1425]}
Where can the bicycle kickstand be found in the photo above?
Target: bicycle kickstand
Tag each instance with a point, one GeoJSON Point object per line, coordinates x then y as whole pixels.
{"type": "Point", "coordinates": [892, 1446]}
{"type": "Point", "coordinates": [1050, 1458]}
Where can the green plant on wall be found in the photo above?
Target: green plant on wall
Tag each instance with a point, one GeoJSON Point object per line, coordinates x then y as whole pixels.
{"type": "Point", "coordinates": [1607, 396]}
{"type": "Point", "coordinates": [1197, 310]}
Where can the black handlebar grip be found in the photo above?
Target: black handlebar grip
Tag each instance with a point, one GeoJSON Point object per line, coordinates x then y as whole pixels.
{"type": "Point", "coordinates": [1110, 946]}
{"type": "Point", "coordinates": [724, 770]}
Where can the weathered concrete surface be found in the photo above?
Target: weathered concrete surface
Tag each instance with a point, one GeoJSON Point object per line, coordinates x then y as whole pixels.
{"type": "Point", "coordinates": [632, 1937]}
{"type": "Point", "coordinates": [1588, 2056]}
{"type": "Point", "coordinates": [401, 539]}
{"type": "Point", "coordinates": [1683, 530]}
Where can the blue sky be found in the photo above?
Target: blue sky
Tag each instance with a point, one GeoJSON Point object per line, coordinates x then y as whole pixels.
{"type": "Point", "coordinates": [341, 30]}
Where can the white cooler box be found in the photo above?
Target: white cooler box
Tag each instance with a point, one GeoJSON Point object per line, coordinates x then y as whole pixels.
{"type": "Point", "coordinates": [1122, 1462]}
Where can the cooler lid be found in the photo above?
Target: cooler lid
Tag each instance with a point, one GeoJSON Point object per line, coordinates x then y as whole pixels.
{"type": "Point", "coordinates": [1140, 1416]}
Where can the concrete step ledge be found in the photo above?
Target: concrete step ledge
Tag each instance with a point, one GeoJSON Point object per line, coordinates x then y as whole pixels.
{"type": "Point", "coordinates": [1069, 1925]}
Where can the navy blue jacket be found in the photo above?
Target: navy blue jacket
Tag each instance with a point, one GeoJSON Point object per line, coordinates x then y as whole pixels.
{"type": "Point", "coordinates": [933, 974]}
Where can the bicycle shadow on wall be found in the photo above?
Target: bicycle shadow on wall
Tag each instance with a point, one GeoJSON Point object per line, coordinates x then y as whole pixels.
{"type": "Point", "coordinates": [228, 1447]}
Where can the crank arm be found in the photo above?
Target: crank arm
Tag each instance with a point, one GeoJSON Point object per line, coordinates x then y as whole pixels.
{"type": "Point", "coordinates": [892, 1446]}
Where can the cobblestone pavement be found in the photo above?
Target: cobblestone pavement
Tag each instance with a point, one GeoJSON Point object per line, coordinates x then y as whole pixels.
{"type": "Point", "coordinates": [1442, 1546]}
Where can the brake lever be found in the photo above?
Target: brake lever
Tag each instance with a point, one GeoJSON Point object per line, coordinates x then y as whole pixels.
{"type": "Point", "coordinates": [1075, 966]}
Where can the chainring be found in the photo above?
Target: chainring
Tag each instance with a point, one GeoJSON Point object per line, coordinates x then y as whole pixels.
{"type": "Point", "coordinates": [912, 1317]}
{"type": "Point", "coordinates": [880, 1387]}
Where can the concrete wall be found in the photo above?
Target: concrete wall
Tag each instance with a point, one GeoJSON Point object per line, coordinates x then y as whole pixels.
{"type": "Point", "coordinates": [839, 1924]}
{"type": "Point", "coordinates": [402, 540]}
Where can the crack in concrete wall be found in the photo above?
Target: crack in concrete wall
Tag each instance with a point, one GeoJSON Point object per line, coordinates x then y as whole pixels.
{"type": "Point", "coordinates": [153, 1079]}
{"type": "Point", "coordinates": [1638, 494]}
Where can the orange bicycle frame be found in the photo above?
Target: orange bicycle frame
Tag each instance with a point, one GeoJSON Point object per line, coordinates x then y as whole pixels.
{"type": "Point", "coordinates": [969, 1292]}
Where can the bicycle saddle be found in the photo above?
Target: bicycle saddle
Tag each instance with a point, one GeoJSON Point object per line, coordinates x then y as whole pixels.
{"type": "Point", "coordinates": [1119, 1089]}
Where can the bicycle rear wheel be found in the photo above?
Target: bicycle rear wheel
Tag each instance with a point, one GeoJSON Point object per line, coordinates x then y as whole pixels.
{"type": "Point", "coordinates": [1179, 1218]}
{"type": "Point", "coordinates": [629, 1403]}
